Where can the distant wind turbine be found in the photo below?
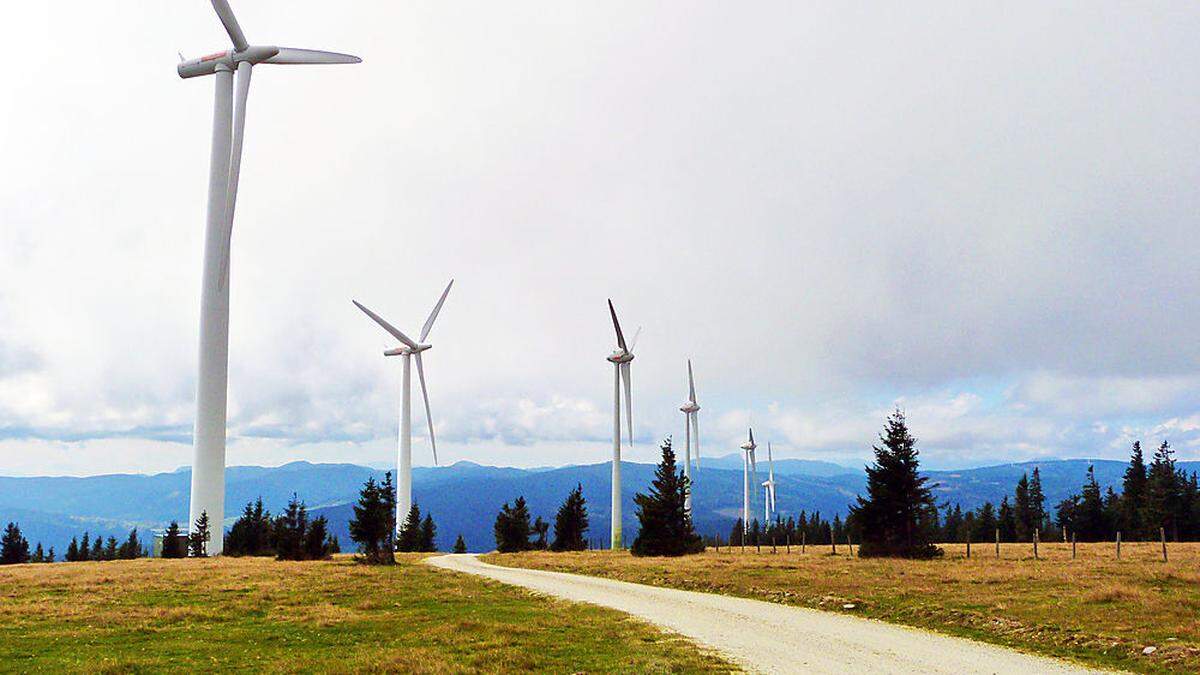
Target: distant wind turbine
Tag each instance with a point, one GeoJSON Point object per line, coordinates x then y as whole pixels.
{"type": "Point", "coordinates": [620, 359]}
{"type": "Point", "coordinates": [229, 125]}
{"type": "Point", "coordinates": [409, 348]}
{"type": "Point", "coordinates": [749, 472]}
{"type": "Point", "coordinates": [769, 487]}
{"type": "Point", "coordinates": [691, 427]}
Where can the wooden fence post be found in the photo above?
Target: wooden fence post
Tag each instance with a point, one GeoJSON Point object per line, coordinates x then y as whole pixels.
{"type": "Point", "coordinates": [1162, 535]}
{"type": "Point", "coordinates": [772, 544]}
{"type": "Point", "coordinates": [1118, 544]}
{"type": "Point", "coordinates": [787, 541]}
{"type": "Point", "coordinates": [833, 541]}
{"type": "Point", "coordinates": [849, 544]}
{"type": "Point", "coordinates": [803, 541]}
{"type": "Point", "coordinates": [1072, 546]}
{"type": "Point", "coordinates": [997, 542]}
{"type": "Point", "coordinates": [1035, 543]}
{"type": "Point", "coordinates": [968, 546]}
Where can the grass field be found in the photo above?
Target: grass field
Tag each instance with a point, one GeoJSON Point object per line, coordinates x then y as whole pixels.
{"type": "Point", "coordinates": [261, 615]}
{"type": "Point", "coordinates": [1093, 609]}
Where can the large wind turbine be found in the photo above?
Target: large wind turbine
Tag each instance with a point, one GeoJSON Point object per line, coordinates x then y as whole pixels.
{"type": "Point", "coordinates": [748, 467]}
{"type": "Point", "coordinates": [769, 488]}
{"type": "Point", "coordinates": [229, 124]}
{"type": "Point", "coordinates": [691, 426]}
{"type": "Point", "coordinates": [620, 359]}
{"type": "Point", "coordinates": [408, 349]}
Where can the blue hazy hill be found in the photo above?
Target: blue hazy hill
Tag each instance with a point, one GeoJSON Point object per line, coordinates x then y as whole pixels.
{"type": "Point", "coordinates": [464, 497]}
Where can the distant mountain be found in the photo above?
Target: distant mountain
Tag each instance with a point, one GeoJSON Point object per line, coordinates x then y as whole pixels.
{"type": "Point", "coordinates": [465, 497]}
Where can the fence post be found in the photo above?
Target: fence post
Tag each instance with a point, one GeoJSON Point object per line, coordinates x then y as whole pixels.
{"type": "Point", "coordinates": [849, 544]}
{"type": "Point", "coordinates": [803, 541]}
{"type": "Point", "coordinates": [1162, 535]}
{"type": "Point", "coordinates": [968, 546]}
{"type": "Point", "coordinates": [833, 541]}
{"type": "Point", "coordinates": [1036, 536]}
{"type": "Point", "coordinates": [772, 544]}
{"type": "Point", "coordinates": [1118, 544]}
{"type": "Point", "coordinates": [1064, 528]}
{"type": "Point", "coordinates": [1072, 546]}
{"type": "Point", "coordinates": [997, 542]}
{"type": "Point", "coordinates": [787, 541]}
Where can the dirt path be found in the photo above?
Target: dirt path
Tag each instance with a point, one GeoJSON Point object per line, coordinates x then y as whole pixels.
{"type": "Point", "coordinates": [769, 637]}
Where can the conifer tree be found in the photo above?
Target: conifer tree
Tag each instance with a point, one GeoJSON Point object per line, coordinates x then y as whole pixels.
{"type": "Point", "coordinates": [174, 542]}
{"type": "Point", "coordinates": [1133, 495]}
{"type": "Point", "coordinates": [387, 490]}
{"type": "Point", "coordinates": [409, 539]}
{"type": "Point", "coordinates": [428, 536]}
{"type": "Point", "coordinates": [73, 550]}
{"type": "Point", "coordinates": [14, 548]}
{"type": "Point", "coordinates": [512, 527]}
{"type": "Point", "coordinates": [290, 529]}
{"type": "Point", "coordinates": [898, 515]}
{"type": "Point", "coordinates": [372, 523]}
{"type": "Point", "coordinates": [1037, 501]}
{"type": "Point", "coordinates": [541, 528]}
{"type": "Point", "coordinates": [738, 533]}
{"type": "Point", "coordinates": [985, 523]}
{"type": "Point", "coordinates": [50, 555]}
{"type": "Point", "coordinates": [460, 546]}
{"type": "Point", "coordinates": [317, 545]}
{"type": "Point", "coordinates": [131, 548]}
{"type": "Point", "coordinates": [1007, 521]}
{"type": "Point", "coordinates": [1022, 510]}
{"type": "Point", "coordinates": [1163, 492]}
{"type": "Point", "coordinates": [571, 522]}
{"type": "Point", "coordinates": [97, 552]}
{"type": "Point", "coordinates": [200, 536]}
{"type": "Point", "coordinates": [1089, 522]}
{"type": "Point", "coordinates": [665, 525]}
{"type": "Point", "coordinates": [252, 533]}
{"type": "Point", "coordinates": [85, 548]}
{"type": "Point", "coordinates": [39, 555]}
{"type": "Point", "coordinates": [111, 549]}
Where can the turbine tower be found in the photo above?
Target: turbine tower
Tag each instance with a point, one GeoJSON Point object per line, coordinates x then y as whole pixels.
{"type": "Point", "coordinates": [769, 488]}
{"type": "Point", "coordinates": [749, 467]}
{"type": "Point", "coordinates": [620, 359]}
{"type": "Point", "coordinates": [409, 349]}
{"type": "Point", "coordinates": [229, 124]}
{"type": "Point", "coordinates": [691, 426]}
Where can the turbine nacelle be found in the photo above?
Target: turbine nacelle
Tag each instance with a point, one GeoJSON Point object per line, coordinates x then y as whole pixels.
{"type": "Point", "coordinates": [620, 356]}
{"type": "Point", "coordinates": [749, 446]}
{"type": "Point", "coordinates": [690, 407]}
{"type": "Point", "coordinates": [405, 350]}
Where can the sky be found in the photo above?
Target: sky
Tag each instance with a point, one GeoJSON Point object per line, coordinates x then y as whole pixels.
{"type": "Point", "coordinates": [982, 214]}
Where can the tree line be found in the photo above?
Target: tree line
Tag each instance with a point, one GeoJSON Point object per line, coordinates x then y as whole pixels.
{"type": "Point", "coordinates": [373, 526]}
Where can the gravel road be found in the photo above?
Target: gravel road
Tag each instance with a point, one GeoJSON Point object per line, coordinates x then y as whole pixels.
{"type": "Point", "coordinates": [773, 638]}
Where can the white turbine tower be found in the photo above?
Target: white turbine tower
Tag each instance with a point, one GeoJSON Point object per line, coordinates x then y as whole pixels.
{"type": "Point", "coordinates": [229, 124]}
{"type": "Point", "coordinates": [749, 473]}
{"type": "Point", "coordinates": [620, 359]}
{"type": "Point", "coordinates": [409, 348]}
{"type": "Point", "coordinates": [769, 488]}
{"type": "Point", "coordinates": [691, 426]}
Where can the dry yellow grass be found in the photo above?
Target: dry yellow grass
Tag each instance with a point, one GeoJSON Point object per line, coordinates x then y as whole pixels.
{"type": "Point", "coordinates": [1094, 608]}
{"type": "Point", "coordinates": [261, 615]}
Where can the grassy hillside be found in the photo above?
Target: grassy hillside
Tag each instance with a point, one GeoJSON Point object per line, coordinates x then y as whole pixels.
{"type": "Point", "coordinates": [262, 615]}
{"type": "Point", "coordinates": [1093, 609]}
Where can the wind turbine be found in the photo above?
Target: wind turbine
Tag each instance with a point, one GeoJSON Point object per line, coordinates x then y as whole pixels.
{"type": "Point", "coordinates": [748, 467]}
{"type": "Point", "coordinates": [229, 125]}
{"type": "Point", "coordinates": [620, 359]}
{"type": "Point", "coordinates": [409, 349]}
{"type": "Point", "coordinates": [690, 425]}
{"type": "Point", "coordinates": [769, 487]}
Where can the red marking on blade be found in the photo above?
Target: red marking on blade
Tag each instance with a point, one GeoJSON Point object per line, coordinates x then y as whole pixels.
{"type": "Point", "coordinates": [213, 57]}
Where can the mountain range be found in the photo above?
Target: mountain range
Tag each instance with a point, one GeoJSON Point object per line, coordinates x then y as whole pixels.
{"type": "Point", "coordinates": [465, 497]}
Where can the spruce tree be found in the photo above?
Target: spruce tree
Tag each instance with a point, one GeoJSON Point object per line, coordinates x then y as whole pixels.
{"type": "Point", "coordinates": [738, 533]}
{"type": "Point", "coordinates": [540, 527]}
{"type": "Point", "coordinates": [898, 515]}
{"type": "Point", "coordinates": [50, 555]}
{"type": "Point", "coordinates": [290, 530]}
{"type": "Point", "coordinates": [252, 533]}
{"type": "Point", "coordinates": [1007, 521]}
{"type": "Point", "coordinates": [85, 548]}
{"type": "Point", "coordinates": [512, 527]}
{"type": "Point", "coordinates": [1037, 501]}
{"type": "Point", "coordinates": [200, 536]}
{"type": "Point", "coordinates": [111, 549]}
{"type": "Point", "coordinates": [14, 548]}
{"type": "Point", "coordinates": [372, 523]}
{"type": "Point", "coordinates": [73, 550]}
{"type": "Point", "coordinates": [97, 552]}
{"type": "Point", "coordinates": [38, 554]}
{"type": "Point", "coordinates": [665, 525]}
{"type": "Point", "coordinates": [409, 539]}
{"type": "Point", "coordinates": [131, 548]}
{"type": "Point", "coordinates": [460, 546]}
{"type": "Point", "coordinates": [571, 522]}
{"type": "Point", "coordinates": [1133, 495]}
{"type": "Point", "coordinates": [985, 523]}
{"type": "Point", "coordinates": [174, 542]}
{"type": "Point", "coordinates": [387, 490]}
{"type": "Point", "coordinates": [428, 535]}
{"type": "Point", "coordinates": [317, 545]}
{"type": "Point", "coordinates": [1163, 492]}
{"type": "Point", "coordinates": [1089, 522]}
{"type": "Point", "coordinates": [1022, 510]}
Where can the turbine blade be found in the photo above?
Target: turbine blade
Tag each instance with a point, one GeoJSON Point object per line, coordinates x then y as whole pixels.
{"type": "Point", "coordinates": [617, 325]}
{"type": "Point", "coordinates": [241, 94]}
{"type": "Point", "coordinates": [291, 56]}
{"type": "Point", "coordinates": [691, 383]}
{"type": "Point", "coordinates": [225, 13]}
{"type": "Point", "coordinates": [625, 375]}
{"type": "Point", "coordinates": [386, 326]}
{"type": "Point", "coordinates": [633, 343]}
{"type": "Point", "coordinates": [433, 315]}
{"type": "Point", "coordinates": [428, 414]}
{"type": "Point", "coordinates": [751, 435]}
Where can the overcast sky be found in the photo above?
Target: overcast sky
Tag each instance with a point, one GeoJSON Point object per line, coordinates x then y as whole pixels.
{"type": "Point", "coordinates": [984, 214]}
